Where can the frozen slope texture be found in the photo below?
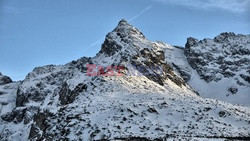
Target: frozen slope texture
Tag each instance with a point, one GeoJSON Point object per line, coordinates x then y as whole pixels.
{"type": "Point", "coordinates": [8, 90]}
{"type": "Point", "coordinates": [62, 103]}
{"type": "Point", "coordinates": [222, 65]}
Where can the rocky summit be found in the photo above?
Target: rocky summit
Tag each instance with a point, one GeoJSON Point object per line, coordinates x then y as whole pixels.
{"type": "Point", "coordinates": [4, 79]}
{"type": "Point", "coordinates": [201, 92]}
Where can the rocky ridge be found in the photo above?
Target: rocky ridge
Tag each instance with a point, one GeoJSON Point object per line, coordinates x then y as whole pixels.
{"type": "Point", "coordinates": [224, 64]}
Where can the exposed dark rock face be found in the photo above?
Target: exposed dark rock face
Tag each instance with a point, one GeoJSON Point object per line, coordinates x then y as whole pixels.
{"type": "Point", "coordinates": [20, 114]}
{"type": "Point", "coordinates": [39, 125]}
{"type": "Point", "coordinates": [64, 94]}
{"type": "Point", "coordinates": [184, 74]}
{"type": "Point", "coordinates": [36, 94]}
{"type": "Point", "coordinates": [4, 79]}
{"type": "Point", "coordinates": [9, 116]}
{"type": "Point", "coordinates": [155, 58]}
{"type": "Point", "coordinates": [67, 96]}
{"type": "Point", "coordinates": [110, 47]}
{"type": "Point", "coordinates": [190, 42]}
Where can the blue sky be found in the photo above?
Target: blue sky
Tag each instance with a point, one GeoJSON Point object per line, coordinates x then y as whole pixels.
{"type": "Point", "coordinates": [40, 32]}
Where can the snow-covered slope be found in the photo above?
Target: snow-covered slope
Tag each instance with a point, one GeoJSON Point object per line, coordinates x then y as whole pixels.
{"type": "Point", "coordinates": [223, 67]}
{"type": "Point", "coordinates": [208, 71]}
{"type": "Point", "coordinates": [63, 103]}
{"type": "Point", "coordinates": [8, 91]}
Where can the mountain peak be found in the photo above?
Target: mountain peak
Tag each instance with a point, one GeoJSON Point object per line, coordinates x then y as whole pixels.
{"type": "Point", "coordinates": [228, 36]}
{"type": "Point", "coordinates": [4, 79]}
{"type": "Point", "coordinates": [123, 22]}
{"type": "Point", "coordinates": [190, 42]}
{"type": "Point", "coordinates": [124, 29]}
{"type": "Point", "coordinates": [123, 35]}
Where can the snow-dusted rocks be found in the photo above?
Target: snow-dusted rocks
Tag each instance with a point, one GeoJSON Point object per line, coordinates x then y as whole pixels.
{"type": "Point", "coordinates": [8, 90]}
{"type": "Point", "coordinates": [224, 63]}
{"type": "Point", "coordinates": [4, 79]}
{"type": "Point", "coordinates": [59, 102]}
{"type": "Point", "coordinates": [126, 45]}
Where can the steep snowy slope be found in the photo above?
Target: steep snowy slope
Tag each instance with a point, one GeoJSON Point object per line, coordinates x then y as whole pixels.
{"type": "Point", "coordinates": [223, 67]}
{"type": "Point", "coordinates": [63, 103]}
{"type": "Point", "coordinates": [211, 79]}
{"type": "Point", "coordinates": [8, 91]}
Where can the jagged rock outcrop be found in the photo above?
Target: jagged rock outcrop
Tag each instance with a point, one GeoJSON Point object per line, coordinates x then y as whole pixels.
{"type": "Point", "coordinates": [219, 57]}
{"type": "Point", "coordinates": [39, 125]}
{"type": "Point", "coordinates": [190, 43]}
{"type": "Point", "coordinates": [67, 96]}
{"type": "Point", "coordinates": [4, 79]}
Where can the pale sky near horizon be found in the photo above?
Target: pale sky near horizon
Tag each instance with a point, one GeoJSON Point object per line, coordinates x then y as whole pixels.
{"type": "Point", "coordinates": [41, 32]}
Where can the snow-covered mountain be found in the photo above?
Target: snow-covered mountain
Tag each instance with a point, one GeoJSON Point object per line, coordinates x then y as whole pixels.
{"type": "Point", "coordinates": [61, 102]}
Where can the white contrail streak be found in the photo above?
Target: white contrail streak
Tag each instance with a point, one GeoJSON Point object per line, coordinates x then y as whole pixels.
{"type": "Point", "coordinates": [141, 13]}
{"type": "Point", "coordinates": [130, 20]}
{"type": "Point", "coordinates": [97, 42]}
